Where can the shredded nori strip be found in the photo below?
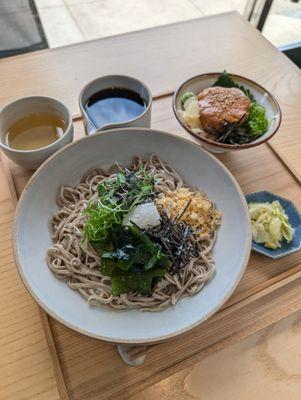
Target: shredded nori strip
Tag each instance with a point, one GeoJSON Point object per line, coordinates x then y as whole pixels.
{"type": "Point", "coordinates": [174, 236]}
{"type": "Point", "coordinates": [234, 133]}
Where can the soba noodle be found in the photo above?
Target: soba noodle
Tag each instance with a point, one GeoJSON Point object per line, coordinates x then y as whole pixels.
{"type": "Point", "coordinates": [75, 261]}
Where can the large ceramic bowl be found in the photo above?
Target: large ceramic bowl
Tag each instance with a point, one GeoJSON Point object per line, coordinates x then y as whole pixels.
{"type": "Point", "coordinates": [261, 95]}
{"type": "Point", "coordinates": [197, 167]}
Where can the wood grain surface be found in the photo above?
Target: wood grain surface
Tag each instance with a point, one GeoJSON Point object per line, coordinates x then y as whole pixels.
{"type": "Point", "coordinates": [162, 57]}
{"type": "Point", "coordinates": [264, 366]}
{"type": "Point", "coordinates": [266, 293]}
{"type": "Point", "coordinates": [25, 366]}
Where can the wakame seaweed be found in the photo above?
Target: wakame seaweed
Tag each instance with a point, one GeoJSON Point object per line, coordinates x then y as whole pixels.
{"type": "Point", "coordinates": [133, 261]}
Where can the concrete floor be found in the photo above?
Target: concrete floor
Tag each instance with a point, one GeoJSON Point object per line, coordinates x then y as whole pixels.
{"type": "Point", "coordinates": [72, 21]}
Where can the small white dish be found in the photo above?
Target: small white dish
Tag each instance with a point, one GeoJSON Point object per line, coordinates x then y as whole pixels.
{"type": "Point", "coordinates": [261, 95]}
{"type": "Point", "coordinates": [32, 237]}
{"type": "Point", "coordinates": [11, 113]}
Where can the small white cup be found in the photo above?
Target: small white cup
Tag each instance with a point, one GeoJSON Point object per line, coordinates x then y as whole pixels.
{"type": "Point", "coordinates": [18, 109]}
{"type": "Point", "coordinates": [119, 81]}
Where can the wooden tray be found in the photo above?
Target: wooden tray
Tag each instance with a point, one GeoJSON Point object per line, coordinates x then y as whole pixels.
{"type": "Point", "coordinates": [86, 368]}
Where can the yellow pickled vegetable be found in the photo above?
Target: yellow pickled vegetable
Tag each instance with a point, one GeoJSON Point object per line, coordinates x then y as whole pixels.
{"type": "Point", "coordinates": [270, 224]}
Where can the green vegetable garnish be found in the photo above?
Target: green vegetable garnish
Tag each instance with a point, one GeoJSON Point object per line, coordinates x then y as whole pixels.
{"type": "Point", "coordinates": [257, 122]}
{"type": "Point", "coordinates": [224, 80]}
{"type": "Point", "coordinates": [134, 262]}
{"type": "Point", "coordinates": [117, 196]}
{"type": "Point", "coordinates": [100, 222]}
{"type": "Point", "coordinates": [185, 97]}
{"type": "Point", "coordinates": [270, 224]}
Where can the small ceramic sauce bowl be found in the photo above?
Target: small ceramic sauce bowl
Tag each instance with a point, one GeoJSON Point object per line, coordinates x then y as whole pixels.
{"type": "Point", "coordinates": [31, 159]}
{"type": "Point", "coordinates": [116, 81]}
{"type": "Point", "coordinates": [261, 95]}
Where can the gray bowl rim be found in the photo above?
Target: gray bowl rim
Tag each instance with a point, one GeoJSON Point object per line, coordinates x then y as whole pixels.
{"type": "Point", "coordinates": [156, 339]}
{"type": "Point", "coordinates": [117, 124]}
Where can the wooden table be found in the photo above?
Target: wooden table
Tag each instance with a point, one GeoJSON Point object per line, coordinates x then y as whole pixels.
{"type": "Point", "coordinates": [162, 57]}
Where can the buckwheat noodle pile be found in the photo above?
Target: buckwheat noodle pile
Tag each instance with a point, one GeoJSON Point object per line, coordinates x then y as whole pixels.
{"type": "Point", "coordinates": [70, 259]}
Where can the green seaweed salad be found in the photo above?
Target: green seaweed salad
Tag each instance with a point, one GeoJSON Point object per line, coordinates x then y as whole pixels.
{"type": "Point", "coordinates": [255, 125]}
{"type": "Point", "coordinates": [135, 259]}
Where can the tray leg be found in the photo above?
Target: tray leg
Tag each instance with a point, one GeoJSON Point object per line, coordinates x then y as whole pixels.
{"type": "Point", "coordinates": [132, 355]}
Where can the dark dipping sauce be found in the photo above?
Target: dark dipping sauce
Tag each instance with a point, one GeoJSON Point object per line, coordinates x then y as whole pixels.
{"type": "Point", "coordinates": [114, 105]}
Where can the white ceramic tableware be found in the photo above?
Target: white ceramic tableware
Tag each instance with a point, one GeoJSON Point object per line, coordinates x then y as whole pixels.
{"type": "Point", "coordinates": [18, 109]}
{"type": "Point", "coordinates": [197, 167]}
{"type": "Point", "coordinates": [116, 81]}
{"type": "Point", "coordinates": [261, 95]}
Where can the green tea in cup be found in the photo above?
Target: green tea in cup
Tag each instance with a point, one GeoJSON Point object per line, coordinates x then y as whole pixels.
{"type": "Point", "coordinates": [35, 131]}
